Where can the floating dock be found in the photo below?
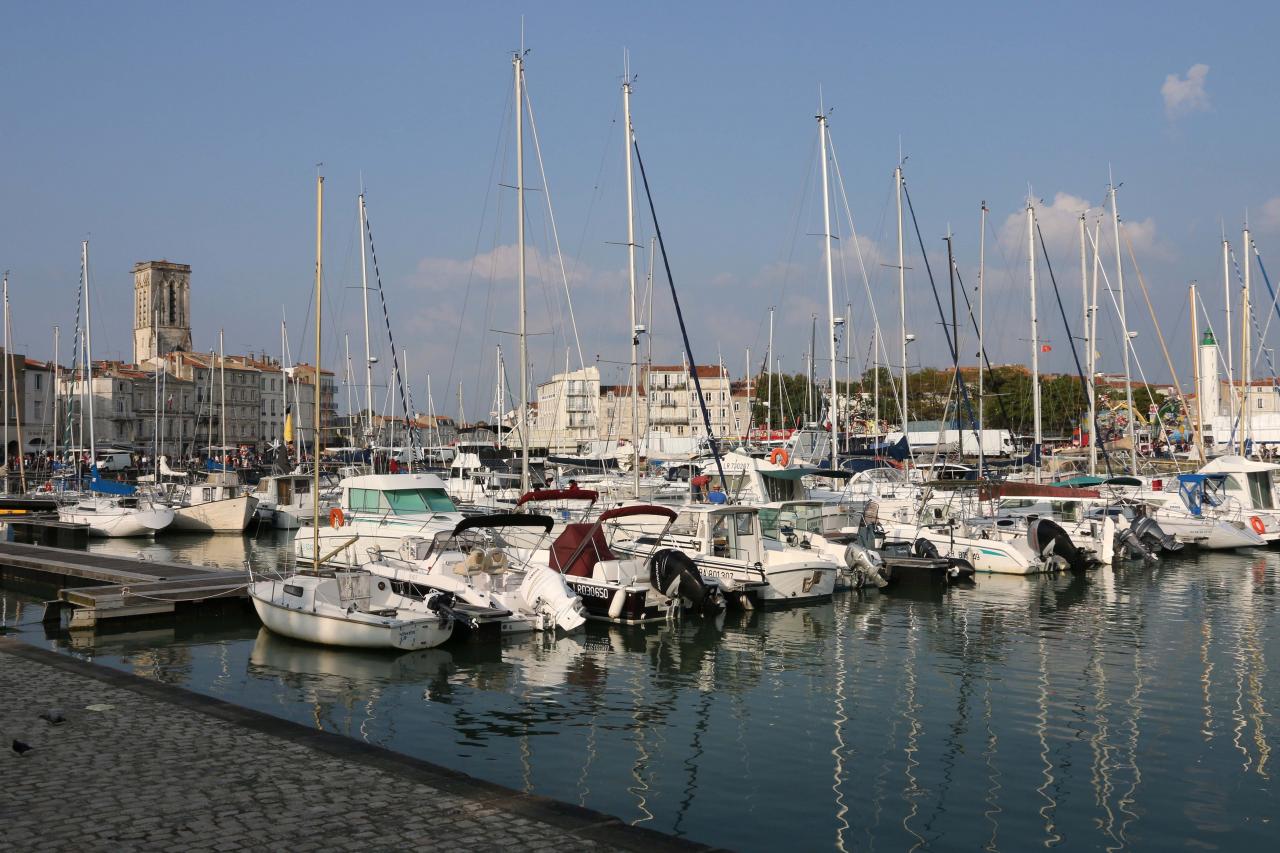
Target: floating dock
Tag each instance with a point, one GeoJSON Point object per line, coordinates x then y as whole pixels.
{"type": "Point", "coordinates": [93, 587]}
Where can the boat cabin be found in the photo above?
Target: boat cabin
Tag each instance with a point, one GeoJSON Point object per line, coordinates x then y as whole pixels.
{"type": "Point", "coordinates": [395, 494]}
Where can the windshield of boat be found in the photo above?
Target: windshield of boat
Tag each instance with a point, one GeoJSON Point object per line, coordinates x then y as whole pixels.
{"type": "Point", "coordinates": [401, 501]}
{"type": "Point", "coordinates": [800, 518]}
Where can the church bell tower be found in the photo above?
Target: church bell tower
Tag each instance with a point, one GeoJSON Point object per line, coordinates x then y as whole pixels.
{"type": "Point", "coordinates": [161, 309]}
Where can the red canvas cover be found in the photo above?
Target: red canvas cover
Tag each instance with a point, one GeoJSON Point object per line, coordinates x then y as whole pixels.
{"type": "Point", "coordinates": [587, 541]}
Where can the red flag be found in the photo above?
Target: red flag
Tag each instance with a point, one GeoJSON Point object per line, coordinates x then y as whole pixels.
{"type": "Point", "coordinates": [1045, 348]}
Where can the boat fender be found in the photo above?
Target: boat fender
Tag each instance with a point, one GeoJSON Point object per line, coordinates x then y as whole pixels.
{"type": "Point", "coordinates": [336, 518]}
{"type": "Point", "coordinates": [960, 570]}
{"type": "Point", "coordinates": [1257, 525]}
{"type": "Point", "coordinates": [779, 456]}
{"type": "Point", "coordinates": [615, 605]}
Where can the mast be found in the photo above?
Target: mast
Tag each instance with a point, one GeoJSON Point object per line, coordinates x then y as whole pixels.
{"type": "Point", "coordinates": [1088, 309]}
{"type": "Point", "coordinates": [832, 325]}
{"type": "Point", "coordinates": [88, 358]}
{"type": "Point", "coordinates": [222, 396]}
{"type": "Point", "coordinates": [628, 133]}
{"type": "Point", "coordinates": [284, 389]}
{"type": "Point", "coordinates": [1232, 401]}
{"type": "Point", "coordinates": [1035, 339]}
{"type": "Point", "coordinates": [7, 359]}
{"type": "Point", "coordinates": [501, 395]}
{"type": "Point", "coordinates": [56, 389]}
{"type": "Point", "coordinates": [875, 379]}
{"type": "Point", "coordinates": [746, 433]}
{"type": "Point", "coordinates": [902, 299]}
{"type": "Point", "coordinates": [1124, 329]}
{"type": "Point", "coordinates": [768, 372]}
{"type": "Point", "coordinates": [982, 264]}
{"type": "Point", "coordinates": [518, 64]}
{"type": "Point", "coordinates": [955, 330]}
{"type": "Point", "coordinates": [315, 419]}
{"type": "Point", "coordinates": [1092, 360]}
{"type": "Point", "coordinates": [368, 357]}
{"type": "Point", "coordinates": [1246, 353]}
{"type": "Point", "coordinates": [1195, 363]}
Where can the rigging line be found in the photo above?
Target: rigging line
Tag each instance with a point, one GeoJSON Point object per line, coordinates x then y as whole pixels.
{"type": "Point", "coordinates": [1071, 341]}
{"type": "Point", "coordinates": [684, 332]}
{"type": "Point", "coordinates": [1275, 298]}
{"type": "Point", "coordinates": [1253, 319]}
{"type": "Point", "coordinates": [866, 284]}
{"type": "Point", "coordinates": [555, 232]}
{"type": "Point", "coordinates": [955, 358]}
{"type": "Point", "coordinates": [1142, 375]}
{"type": "Point", "coordinates": [498, 148]}
{"type": "Point", "coordinates": [795, 230]}
{"type": "Point", "coordinates": [1160, 336]}
{"type": "Point", "coordinates": [406, 400]}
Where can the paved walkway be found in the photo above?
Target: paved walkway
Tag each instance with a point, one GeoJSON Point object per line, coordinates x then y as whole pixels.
{"type": "Point", "coordinates": [161, 768]}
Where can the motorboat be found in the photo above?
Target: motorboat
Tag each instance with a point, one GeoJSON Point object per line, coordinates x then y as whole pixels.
{"type": "Point", "coordinates": [728, 547]}
{"type": "Point", "coordinates": [351, 608]}
{"type": "Point", "coordinates": [284, 499]}
{"type": "Point", "coordinates": [631, 587]}
{"type": "Point", "coordinates": [477, 563]}
{"type": "Point", "coordinates": [217, 505]}
{"type": "Point", "coordinates": [374, 513]}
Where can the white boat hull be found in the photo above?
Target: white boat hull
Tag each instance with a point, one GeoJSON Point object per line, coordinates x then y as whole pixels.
{"type": "Point", "coordinates": [119, 523]}
{"type": "Point", "coordinates": [230, 515]}
{"type": "Point", "coordinates": [331, 626]}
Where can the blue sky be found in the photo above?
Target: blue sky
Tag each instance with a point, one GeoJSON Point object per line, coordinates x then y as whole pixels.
{"type": "Point", "coordinates": [191, 132]}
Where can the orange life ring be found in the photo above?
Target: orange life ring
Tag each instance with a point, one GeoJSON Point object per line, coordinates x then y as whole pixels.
{"type": "Point", "coordinates": [336, 518]}
{"type": "Point", "coordinates": [1257, 525]}
{"type": "Point", "coordinates": [779, 456]}
{"type": "Point", "coordinates": [48, 486]}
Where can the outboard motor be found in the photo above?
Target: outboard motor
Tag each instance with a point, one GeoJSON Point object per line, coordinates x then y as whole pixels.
{"type": "Point", "coordinates": [926, 549]}
{"type": "Point", "coordinates": [674, 573]}
{"type": "Point", "coordinates": [1149, 532]}
{"type": "Point", "coordinates": [545, 593]}
{"type": "Point", "coordinates": [1051, 542]}
{"type": "Point", "coordinates": [867, 565]}
{"type": "Point", "coordinates": [442, 603]}
{"type": "Point", "coordinates": [1130, 547]}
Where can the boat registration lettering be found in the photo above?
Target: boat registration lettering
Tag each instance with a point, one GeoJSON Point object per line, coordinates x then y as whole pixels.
{"type": "Point", "coordinates": [589, 591]}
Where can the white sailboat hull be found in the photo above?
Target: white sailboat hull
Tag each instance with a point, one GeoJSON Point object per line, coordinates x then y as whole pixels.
{"type": "Point", "coordinates": [118, 522]}
{"type": "Point", "coordinates": [333, 626]}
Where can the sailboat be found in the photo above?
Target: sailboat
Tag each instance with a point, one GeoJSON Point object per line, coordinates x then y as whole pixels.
{"type": "Point", "coordinates": [345, 607]}
{"type": "Point", "coordinates": [112, 508]}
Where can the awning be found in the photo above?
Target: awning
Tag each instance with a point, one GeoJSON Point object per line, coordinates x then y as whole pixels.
{"type": "Point", "coordinates": [798, 473]}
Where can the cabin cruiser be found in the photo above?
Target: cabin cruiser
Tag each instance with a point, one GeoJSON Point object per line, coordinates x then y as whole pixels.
{"type": "Point", "coordinates": [865, 556]}
{"type": "Point", "coordinates": [728, 547]}
{"type": "Point", "coordinates": [284, 500]}
{"type": "Point", "coordinates": [477, 564]}
{"type": "Point", "coordinates": [631, 588]}
{"type": "Point", "coordinates": [214, 506]}
{"type": "Point", "coordinates": [1248, 493]}
{"type": "Point", "coordinates": [377, 511]}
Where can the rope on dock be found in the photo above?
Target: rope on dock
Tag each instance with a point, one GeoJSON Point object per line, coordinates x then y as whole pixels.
{"type": "Point", "coordinates": [125, 592]}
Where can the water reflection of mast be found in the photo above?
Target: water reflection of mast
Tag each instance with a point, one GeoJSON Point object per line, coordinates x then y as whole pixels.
{"type": "Point", "coordinates": [1250, 669]}
{"type": "Point", "coordinates": [838, 725]}
{"type": "Point", "coordinates": [1042, 725]}
{"type": "Point", "coordinates": [914, 729]}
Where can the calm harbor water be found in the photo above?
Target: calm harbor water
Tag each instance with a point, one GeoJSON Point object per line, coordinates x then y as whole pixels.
{"type": "Point", "coordinates": [1132, 709]}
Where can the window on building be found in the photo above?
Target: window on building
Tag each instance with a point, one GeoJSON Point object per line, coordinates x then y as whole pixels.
{"type": "Point", "coordinates": [38, 378]}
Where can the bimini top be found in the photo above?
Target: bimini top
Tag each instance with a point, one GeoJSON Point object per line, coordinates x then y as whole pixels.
{"type": "Point", "coordinates": [637, 509]}
{"type": "Point", "coordinates": [798, 473]}
{"type": "Point", "coordinates": [1236, 465]}
{"type": "Point", "coordinates": [558, 495]}
{"type": "Point", "coordinates": [545, 522]}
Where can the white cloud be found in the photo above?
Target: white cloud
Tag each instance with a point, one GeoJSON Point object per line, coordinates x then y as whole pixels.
{"type": "Point", "coordinates": [1185, 95]}
{"type": "Point", "coordinates": [1059, 222]}
{"type": "Point", "coordinates": [1270, 218]}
